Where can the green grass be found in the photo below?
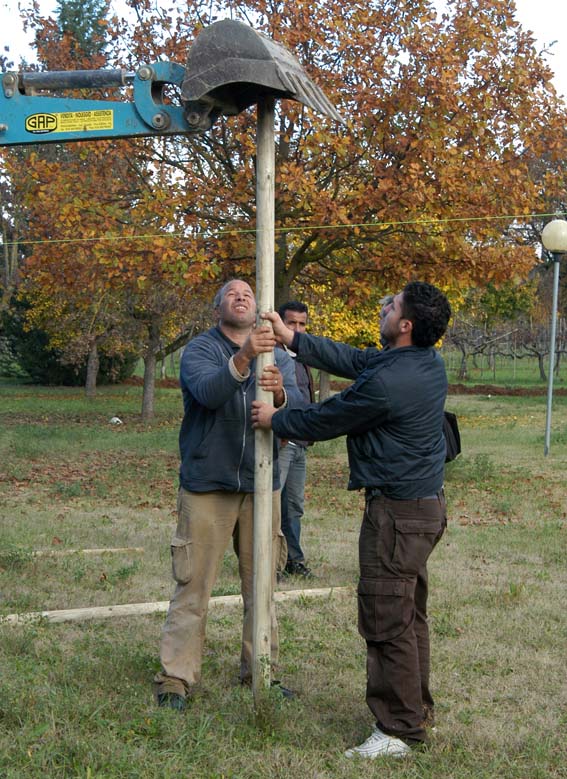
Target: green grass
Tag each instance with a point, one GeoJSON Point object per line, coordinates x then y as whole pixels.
{"type": "Point", "coordinates": [76, 699]}
{"type": "Point", "coordinates": [501, 371]}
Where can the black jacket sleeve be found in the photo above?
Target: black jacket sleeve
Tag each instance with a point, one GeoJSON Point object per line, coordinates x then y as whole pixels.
{"type": "Point", "coordinates": [355, 410]}
{"type": "Point", "coordinates": [332, 356]}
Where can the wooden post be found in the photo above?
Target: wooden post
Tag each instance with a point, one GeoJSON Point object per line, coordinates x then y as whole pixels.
{"type": "Point", "coordinates": [324, 385]}
{"type": "Point", "coordinates": [265, 209]}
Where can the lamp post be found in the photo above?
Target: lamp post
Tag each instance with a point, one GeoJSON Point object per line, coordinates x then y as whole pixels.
{"type": "Point", "coordinates": [554, 239]}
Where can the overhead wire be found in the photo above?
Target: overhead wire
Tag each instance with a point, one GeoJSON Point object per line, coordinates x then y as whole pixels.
{"type": "Point", "coordinates": [298, 228]}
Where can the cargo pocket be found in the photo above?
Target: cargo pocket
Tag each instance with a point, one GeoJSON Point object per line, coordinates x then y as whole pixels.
{"type": "Point", "coordinates": [385, 608]}
{"type": "Point", "coordinates": [414, 542]}
{"type": "Point", "coordinates": [181, 560]}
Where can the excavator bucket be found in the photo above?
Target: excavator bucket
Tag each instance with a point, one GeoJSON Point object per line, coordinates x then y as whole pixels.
{"type": "Point", "coordinates": [231, 66]}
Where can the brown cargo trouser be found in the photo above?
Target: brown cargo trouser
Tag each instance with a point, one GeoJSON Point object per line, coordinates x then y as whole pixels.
{"type": "Point", "coordinates": [396, 539]}
{"type": "Point", "coordinates": [206, 522]}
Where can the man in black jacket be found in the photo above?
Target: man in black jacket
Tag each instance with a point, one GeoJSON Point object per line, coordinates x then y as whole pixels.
{"type": "Point", "coordinates": [393, 418]}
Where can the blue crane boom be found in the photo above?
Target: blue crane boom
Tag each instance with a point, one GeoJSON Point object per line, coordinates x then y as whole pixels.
{"type": "Point", "coordinates": [230, 67]}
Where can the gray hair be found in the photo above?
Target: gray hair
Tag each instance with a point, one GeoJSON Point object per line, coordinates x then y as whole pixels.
{"type": "Point", "coordinates": [218, 298]}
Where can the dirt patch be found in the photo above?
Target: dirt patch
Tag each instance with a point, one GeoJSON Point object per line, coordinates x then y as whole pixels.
{"type": "Point", "coordinates": [137, 381]}
{"type": "Point", "coordinates": [454, 389]}
{"type": "Point", "coordinates": [481, 389]}
{"type": "Point", "coordinates": [492, 389]}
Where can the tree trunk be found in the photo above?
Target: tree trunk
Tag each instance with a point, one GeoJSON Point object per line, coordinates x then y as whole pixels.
{"type": "Point", "coordinates": [281, 280]}
{"type": "Point", "coordinates": [462, 374]}
{"type": "Point", "coordinates": [149, 386]}
{"type": "Point", "coordinates": [150, 372]}
{"type": "Point", "coordinates": [92, 370]}
{"type": "Point", "coordinates": [324, 385]}
{"type": "Point", "coordinates": [9, 270]}
{"type": "Point", "coordinates": [542, 373]}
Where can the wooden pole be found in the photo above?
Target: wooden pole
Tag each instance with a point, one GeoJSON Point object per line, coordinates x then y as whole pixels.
{"type": "Point", "coordinates": [265, 172]}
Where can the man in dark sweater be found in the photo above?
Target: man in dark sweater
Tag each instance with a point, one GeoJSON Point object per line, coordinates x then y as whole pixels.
{"type": "Point", "coordinates": [216, 483]}
{"type": "Point", "coordinates": [392, 416]}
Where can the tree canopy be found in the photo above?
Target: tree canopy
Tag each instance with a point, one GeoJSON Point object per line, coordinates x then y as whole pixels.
{"type": "Point", "coordinates": [446, 120]}
{"type": "Point", "coordinates": [453, 137]}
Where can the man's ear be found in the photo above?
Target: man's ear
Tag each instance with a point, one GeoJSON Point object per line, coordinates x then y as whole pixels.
{"type": "Point", "coordinates": [406, 325]}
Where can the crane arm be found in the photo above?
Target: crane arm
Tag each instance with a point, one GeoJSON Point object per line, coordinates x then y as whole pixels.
{"type": "Point", "coordinates": [230, 67]}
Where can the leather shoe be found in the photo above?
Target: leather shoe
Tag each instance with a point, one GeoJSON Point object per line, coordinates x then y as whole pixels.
{"type": "Point", "coordinates": [296, 568]}
{"type": "Point", "coordinates": [285, 692]}
{"type": "Point", "coordinates": [276, 685]}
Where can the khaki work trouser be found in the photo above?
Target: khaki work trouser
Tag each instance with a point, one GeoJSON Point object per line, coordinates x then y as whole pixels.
{"type": "Point", "coordinates": [206, 523]}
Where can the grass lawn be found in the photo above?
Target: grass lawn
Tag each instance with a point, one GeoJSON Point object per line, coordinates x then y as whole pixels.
{"type": "Point", "coordinates": [76, 698]}
{"type": "Point", "coordinates": [500, 370]}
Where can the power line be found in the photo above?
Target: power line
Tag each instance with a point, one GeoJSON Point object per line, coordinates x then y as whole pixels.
{"type": "Point", "coordinates": [291, 229]}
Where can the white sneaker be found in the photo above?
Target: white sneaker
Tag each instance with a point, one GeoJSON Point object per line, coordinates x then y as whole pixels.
{"type": "Point", "coordinates": [380, 745]}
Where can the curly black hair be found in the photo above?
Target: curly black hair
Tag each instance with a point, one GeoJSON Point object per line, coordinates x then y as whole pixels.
{"type": "Point", "coordinates": [428, 310]}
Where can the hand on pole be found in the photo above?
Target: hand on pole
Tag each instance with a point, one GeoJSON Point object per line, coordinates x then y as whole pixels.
{"type": "Point", "coordinates": [260, 340]}
{"type": "Point", "coordinates": [271, 380]}
{"type": "Point", "coordinates": [262, 414]}
{"type": "Point", "coordinates": [283, 334]}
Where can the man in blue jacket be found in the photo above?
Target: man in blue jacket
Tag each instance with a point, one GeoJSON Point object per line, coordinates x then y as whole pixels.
{"type": "Point", "coordinates": [392, 416]}
{"type": "Point", "coordinates": [215, 499]}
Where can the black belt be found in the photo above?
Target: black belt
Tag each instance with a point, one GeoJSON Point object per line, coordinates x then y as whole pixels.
{"type": "Point", "coordinates": [375, 492]}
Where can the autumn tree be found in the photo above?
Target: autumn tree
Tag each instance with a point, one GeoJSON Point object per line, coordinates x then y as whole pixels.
{"type": "Point", "coordinates": [122, 279]}
{"type": "Point", "coordinates": [429, 176]}
{"type": "Point", "coordinates": [10, 216]}
{"type": "Point", "coordinates": [62, 284]}
{"type": "Point", "coordinates": [487, 321]}
{"type": "Point", "coordinates": [111, 271]}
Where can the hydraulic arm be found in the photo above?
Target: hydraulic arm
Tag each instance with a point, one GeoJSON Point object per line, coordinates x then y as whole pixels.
{"type": "Point", "coordinates": [229, 67]}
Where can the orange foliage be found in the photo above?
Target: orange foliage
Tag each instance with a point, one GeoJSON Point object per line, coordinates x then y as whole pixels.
{"type": "Point", "coordinates": [445, 118]}
{"type": "Point", "coordinates": [446, 123]}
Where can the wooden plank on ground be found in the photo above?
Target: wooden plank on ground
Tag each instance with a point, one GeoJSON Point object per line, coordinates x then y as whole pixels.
{"type": "Point", "coordinates": [105, 550]}
{"type": "Point", "coordinates": [156, 607]}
